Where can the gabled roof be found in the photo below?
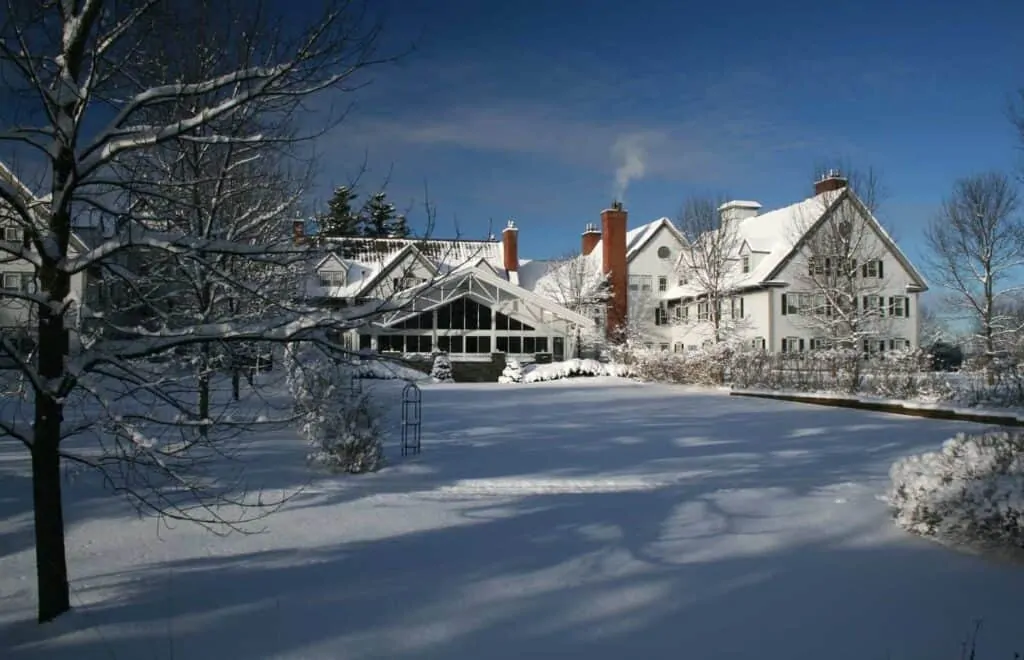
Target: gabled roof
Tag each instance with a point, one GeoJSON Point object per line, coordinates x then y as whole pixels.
{"type": "Point", "coordinates": [370, 259]}
{"type": "Point", "coordinates": [488, 276]}
{"type": "Point", "coordinates": [778, 235]}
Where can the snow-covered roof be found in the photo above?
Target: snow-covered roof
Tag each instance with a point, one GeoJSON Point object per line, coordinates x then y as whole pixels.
{"type": "Point", "coordinates": [775, 235]}
{"type": "Point", "coordinates": [365, 260]}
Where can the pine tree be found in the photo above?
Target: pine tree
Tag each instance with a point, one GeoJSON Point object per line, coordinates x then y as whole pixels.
{"type": "Point", "coordinates": [400, 228]}
{"type": "Point", "coordinates": [341, 220]}
{"type": "Point", "coordinates": [379, 216]}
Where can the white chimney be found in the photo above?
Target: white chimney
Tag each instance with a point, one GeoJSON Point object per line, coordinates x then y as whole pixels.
{"type": "Point", "coordinates": [738, 210]}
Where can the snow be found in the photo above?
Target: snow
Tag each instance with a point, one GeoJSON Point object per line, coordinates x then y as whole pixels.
{"type": "Point", "coordinates": [574, 368]}
{"type": "Point", "coordinates": [588, 517]}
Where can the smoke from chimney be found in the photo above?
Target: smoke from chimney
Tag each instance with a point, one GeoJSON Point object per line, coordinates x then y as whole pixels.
{"type": "Point", "coordinates": [631, 154]}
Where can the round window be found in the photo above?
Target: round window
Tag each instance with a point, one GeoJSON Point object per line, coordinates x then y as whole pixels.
{"type": "Point", "coordinates": [664, 252]}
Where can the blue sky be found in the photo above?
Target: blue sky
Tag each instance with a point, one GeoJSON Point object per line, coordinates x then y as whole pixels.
{"type": "Point", "coordinates": [528, 109]}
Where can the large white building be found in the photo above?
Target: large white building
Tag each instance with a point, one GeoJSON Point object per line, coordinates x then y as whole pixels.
{"type": "Point", "coordinates": [474, 298]}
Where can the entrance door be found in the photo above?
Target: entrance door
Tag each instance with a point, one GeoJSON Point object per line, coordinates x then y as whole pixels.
{"type": "Point", "coordinates": [558, 349]}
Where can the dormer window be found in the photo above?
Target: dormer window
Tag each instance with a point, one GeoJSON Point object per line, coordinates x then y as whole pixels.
{"type": "Point", "coordinates": [745, 263]}
{"type": "Point", "coordinates": [332, 278]}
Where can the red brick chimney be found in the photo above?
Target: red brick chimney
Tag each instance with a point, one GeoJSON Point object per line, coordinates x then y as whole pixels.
{"type": "Point", "coordinates": [591, 237]}
{"type": "Point", "coordinates": [298, 232]}
{"type": "Point", "coordinates": [510, 243]}
{"type": "Point", "coordinates": [829, 181]}
{"type": "Point", "coordinates": [613, 244]}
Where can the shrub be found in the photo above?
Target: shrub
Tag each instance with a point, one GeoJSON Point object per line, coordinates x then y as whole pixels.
{"type": "Point", "coordinates": [513, 372]}
{"type": "Point", "coordinates": [970, 492]}
{"type": "Point", "coordinates": [441, 372]}
{"type": "Point", "coordinates": [340, 424]}
{"type": "Point", "coordinates": [574, 368]}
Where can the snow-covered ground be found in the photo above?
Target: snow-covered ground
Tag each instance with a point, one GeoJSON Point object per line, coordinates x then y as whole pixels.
{"type": "Point", "coordinates": [593, 518]}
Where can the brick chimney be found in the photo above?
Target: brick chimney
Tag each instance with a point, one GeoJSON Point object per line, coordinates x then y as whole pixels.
{"type": "Point", "coordinates": [591, 237]}
{"type": "Point", "coordinates": [613, 244]}
{"type": "Point", "coordinates": [510, 244]}
{"type": "Point", "coordinates": [298, 232]}
{"type": "Point", "coordinates": [829, 181]}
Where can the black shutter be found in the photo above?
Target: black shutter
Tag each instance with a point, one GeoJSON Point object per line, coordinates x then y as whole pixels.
{"type": "Point", "coordinates": [880, 273]}
{"type": "Point", "coordinates": [864, 270]}
{"type": "Point", "coordinates": [864, 302]}
{"type": "Point", "coordinates": [784, 312]}
{"type": "Point", "coordinates": [892, 306]}
{"type": "Point", "coordinates": [741, 308]}
{"type": "Point", "coordinates": [801, 345]}
{"type": "Point", "coordinates": [906, 307]}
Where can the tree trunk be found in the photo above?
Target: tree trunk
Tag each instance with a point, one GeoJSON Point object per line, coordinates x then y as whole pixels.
{"type": "Point", "coordinates": [51, 563]}
{"type": "Point", "coordinates": [204, 387]}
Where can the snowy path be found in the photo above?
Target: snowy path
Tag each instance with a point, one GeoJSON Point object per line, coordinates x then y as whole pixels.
{"type": "Point", "coordinates": [592, 518]}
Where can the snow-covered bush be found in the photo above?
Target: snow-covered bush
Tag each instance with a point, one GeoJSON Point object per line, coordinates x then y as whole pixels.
{"type": "Point", "coordinates": [574, 368]}
{"type": "Point", "coordinates": [970, 492]}
{"type": "Point", "coordinates": [340, 423]}
{"type": "Point", "coordinates": [441, 372]}
{"type": "Point", "coordinates": [512, 373]}
{"type": "Point", "coordinates": [383, 369]}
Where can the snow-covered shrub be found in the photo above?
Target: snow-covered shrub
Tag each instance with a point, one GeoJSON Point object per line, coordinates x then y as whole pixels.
{"type": "Point", "coordinates": [512, 373]}
{"type": "Point", "coordinates": [340, 423]}
{"type": "Point", "coordinates": [573, 368]}
{"type": "Point", "coordinates": [970, 492]}
{"type": "Point", "coordinates": [383, 369]}
{"type": "Point", "coordinates": [441, 372]}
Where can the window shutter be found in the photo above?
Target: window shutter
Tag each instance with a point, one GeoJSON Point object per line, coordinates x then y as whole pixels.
{"type": "Point", "coordinates": [801, 345]}
{"type": "Point", "coordinates": [741, 308]}
{"type": "Point", "coordinates": [853, 269]}
{"type": "Point", "coordinates": [864, 270]}
{"type": "Point", "coordinates": [881, 306]}
{"type": "Point", "coordinates": [892, 306]}
{"type": "Point", "coordinates": [880, 273]}
{"type": "Point", "coordinates": [784, 312]}
{"type": "Point", "coordinates": [906, 307]}
{"type": "Point", "coordinates": [866, 307]}
{"type": "Point", "coordinates": [785, 345]}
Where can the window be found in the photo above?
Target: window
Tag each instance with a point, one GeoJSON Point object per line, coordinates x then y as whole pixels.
{"type": "Point", "coordinates": [663, 348]}
{"type": "Point", "coordinates": [791, 303]}
{"type": "Point", "coordinates": [660, 316]}
{"type": "Point", "coordinates": [899, 344]}
{"type": "Point", "coordinates": [874, 304]}
{"type": "Point", "coordinates": [478, 344]}
{"type": "Point", "coordinates": [640, 282]}
{"type": "Point", "coordinates": [745, 263]}
{"type": "Point", "coordinates": [899, 306]}
{"type": "Point", "coordinates": [664, 252]}
{"type": "Point", "coordinates": [450, 344]}
{"type": "Point", "coordinates": [504, 322]}
{"type": "Point", "coordinates": [736, 307]}
{"type": "Point", "coordinates": [329, 278]}
{"type": "Point", "coordinates": [703, 311]}
{"type": "Point", "coordinates": [873, 346]}
{"type": "Point", "coordinates": [792, 345]}
{"type": "Point", "coordinates": [758, 343]}
{"type": "Point", "coordinates": [662, 283]}
{"type": "Point", "coordinates": [649, 346]}
{"type": "Point", "coordinates": [872, 268]}
{"type": "Point", "coordinates": [365, 342]}
{"type": "Point", "coordinates": [403, 283]}
{"type": "Point", "coordinates": [682, 280]}
{"type": "Point", "coordinates": [677, 348]}
{"type": "Point", "coordinates": [15, 281]}
{"type": "Point", "coordinates": [464, 314]}
{"type": "Point", "coordinates": [13, 234]}
{"type": "Point", "coordinates": [820, 344]}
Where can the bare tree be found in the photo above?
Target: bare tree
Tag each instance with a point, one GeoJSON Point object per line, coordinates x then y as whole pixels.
{"type": "Point", "coordinates": [70, 67]}
{"type": "Point", "coordinates": [840, 289]}
{"type": "Point", "coordinates": [711, 267]}
{"type": "Point", "coordinates": [976, 244]}
{"type": "Point", "coordinates": [933, 326]}
{"type": "Point", "coordinates": [576, 282]}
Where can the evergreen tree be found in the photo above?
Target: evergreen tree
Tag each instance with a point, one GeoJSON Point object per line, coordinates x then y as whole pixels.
{"type": "Point", "coordinates": [399, 227]}
{"type": "Point", "coordinates": [378, 216]}
{"type": "Point", "coordinates": [341, 220]}
{"type": "Point", "coordinates": [441, 371]}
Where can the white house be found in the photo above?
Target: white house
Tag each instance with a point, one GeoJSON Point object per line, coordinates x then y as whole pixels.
{"type": "Point", "coordinates": [810, 275]}
{"type": "Point", "coordinates": [18, 317]}
{"type": "Point", "coordinates": [472, 298]}
{"type": "Point", "coordinates": [464, 297]}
